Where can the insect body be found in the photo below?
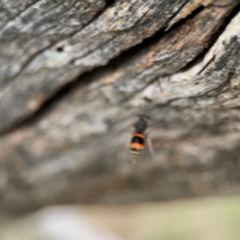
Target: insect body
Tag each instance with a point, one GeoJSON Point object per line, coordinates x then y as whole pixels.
{"type": "Point", "coordinates": [138, 137]}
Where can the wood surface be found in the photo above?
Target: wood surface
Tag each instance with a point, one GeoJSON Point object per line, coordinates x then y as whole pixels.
{"type": "Point", "coordinates": [74, 75]}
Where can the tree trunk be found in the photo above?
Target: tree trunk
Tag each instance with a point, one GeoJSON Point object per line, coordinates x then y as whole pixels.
{"type": "Point", "coordinates": [74, 75]}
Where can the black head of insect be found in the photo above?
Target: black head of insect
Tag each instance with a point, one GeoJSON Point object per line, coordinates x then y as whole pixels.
{"type": "Point", "coordinates": [142, 123]}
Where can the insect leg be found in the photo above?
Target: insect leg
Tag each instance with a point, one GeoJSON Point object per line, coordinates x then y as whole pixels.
{"type": "Point", "coordinates": [150, 146]}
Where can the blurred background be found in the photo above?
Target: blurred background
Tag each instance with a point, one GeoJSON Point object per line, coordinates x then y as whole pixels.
{"type": "Point", "coordinates": [200, 219]}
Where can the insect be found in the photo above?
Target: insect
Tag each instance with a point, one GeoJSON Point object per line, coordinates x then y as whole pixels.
{"type": "Point", "coordinates": [139, 136]}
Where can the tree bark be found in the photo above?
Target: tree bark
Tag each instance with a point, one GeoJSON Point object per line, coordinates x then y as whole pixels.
{"type": "Point", "coordinates": [74, 75]}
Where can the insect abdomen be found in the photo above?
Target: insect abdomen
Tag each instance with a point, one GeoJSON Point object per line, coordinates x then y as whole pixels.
{"type": "Point", "coordinates": [136, 146]}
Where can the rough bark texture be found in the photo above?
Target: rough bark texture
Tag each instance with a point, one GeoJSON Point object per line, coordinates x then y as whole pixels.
{"type": "Point", "coordinates": [74, 74]}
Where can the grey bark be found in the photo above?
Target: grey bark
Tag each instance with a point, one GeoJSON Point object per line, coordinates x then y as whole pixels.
{"type": "Point", "coordinates": [74, 74]}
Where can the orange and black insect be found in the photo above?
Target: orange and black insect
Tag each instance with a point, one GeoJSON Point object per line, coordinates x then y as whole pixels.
{"type": "Point", "coordinates": [138, 137]}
